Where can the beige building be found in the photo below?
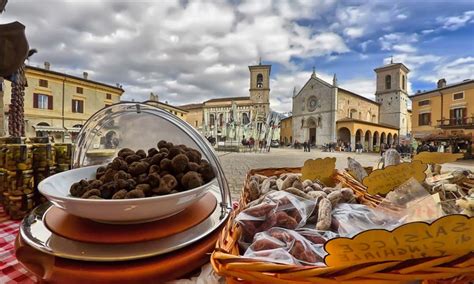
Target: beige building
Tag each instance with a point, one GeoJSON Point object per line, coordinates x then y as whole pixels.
{"type": "Point", "coordinates": [286, 131]}
{"type": "Point", "coordinates": [232, 118]}
{"type": "Point", "coordinates": [58, 104]}
{"type": "Point", "coordinates": [326, 113]}
{"type": "Point", "coordinates": [444, 113]}
{"type": "Point", "coordinates": [179, 112]}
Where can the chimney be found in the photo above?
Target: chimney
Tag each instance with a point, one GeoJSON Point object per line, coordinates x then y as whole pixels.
{"type": "Point", "coordinates": [441, 83]}
{"type": "Point", "coordinates": [85, 75]}
{"type": "Point", "coordinates": [47, 65]}
{"type": "Point", "coordinates": [418, 91]}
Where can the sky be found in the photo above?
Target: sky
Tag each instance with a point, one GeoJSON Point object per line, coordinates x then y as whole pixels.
{"type": "Point", "coordinates": [192, 51]}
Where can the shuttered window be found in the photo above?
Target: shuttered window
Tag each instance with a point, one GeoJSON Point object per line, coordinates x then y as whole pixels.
{"type": "Point", "coordinates": [457, 116]}
{"type": "Point", "coordinates": [78, 106]}
{"type": "Point", "coordinates": [42, 101]}
{"type": "Point", "coordinates": [108, 96]}
{"type": "Point", "coordinates": [424, 103]}
{"type": "Point", "coordinates": [458, 96]}
{"type": "Point", "coordinates": [424, 119]}
{"type": "Point", "coordinates": [79, 90]}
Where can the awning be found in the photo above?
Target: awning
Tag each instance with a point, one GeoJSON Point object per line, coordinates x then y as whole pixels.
{"type": "Point", "coordinates": [73, 129]}
{"type": "Point", "coordinates": [48, 128]}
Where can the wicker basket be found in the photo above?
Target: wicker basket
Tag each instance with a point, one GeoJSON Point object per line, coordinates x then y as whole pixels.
{"type": "Point", "coordinates": [227, 261]}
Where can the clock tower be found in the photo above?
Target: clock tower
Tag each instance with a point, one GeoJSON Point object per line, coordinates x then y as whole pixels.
{"type": "Point", "coordinates": [260, 92]}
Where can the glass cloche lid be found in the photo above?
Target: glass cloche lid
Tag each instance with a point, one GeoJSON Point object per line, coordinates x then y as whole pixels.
{"type": "Point", "coordinates": [139, 126]}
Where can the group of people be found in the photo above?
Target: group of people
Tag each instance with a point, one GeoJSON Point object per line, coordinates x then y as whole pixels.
{"type": "Point", "coordinates": [249, 142]}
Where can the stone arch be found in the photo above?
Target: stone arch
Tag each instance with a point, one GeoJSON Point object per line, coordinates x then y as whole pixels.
{"type": "Point", "coordinates": [358, 136]}
{"type": "Point", "coordinates": [383, 138]}
{"type": "Point", "coordinates": [212, 119]}
{"type": "Point", "coordinates": [368, 140]}
{"type": "Point", "coordinates": [389, 139]}
{"type": "Point", "coordinates": [286, 141]}
{"type": "Point", "coordinates": [43, 124]}
{"type": "Point", "coordinates": [376, 139]}
{"type": "Point", "coordinates": [395, 138]}
{"type": "Point", "coordinates": [344, 134]}
{"type": "Point", "coordinates": [221, 119]}
{"type": "Point", "coordinates": [311, 124]}
{"type": "Point", "coordinates": [291, 139]}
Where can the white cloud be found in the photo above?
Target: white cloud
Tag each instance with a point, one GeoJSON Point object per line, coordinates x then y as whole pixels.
{"type": "Point", "coordinates": [388, 41]}
{"type": "Point", "coordinates": [354, 32]}
{"type": "Point", "coordinates": [402, 16]}
{"type": "Point", "coordinates": [413, 61]}
{"type": "Point", "coordinates": [425, 32]}
{"type": "Point", "coordinates": [404, 48]}
{"type": "Point", "coordinates": [456, 22]}
{"type": "Point", "coordinates": [453, 71]}
{"type": "Point", "coordinates": [362, 86]}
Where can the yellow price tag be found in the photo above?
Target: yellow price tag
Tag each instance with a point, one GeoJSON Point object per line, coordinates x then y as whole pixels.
{"type": "Point", "coordinates": [437, 157]}
{"type": "Point", "coordinates": [321, 169]}
{"type": "Point", "coordinates": [387, 179]}
{"type": "Point", "coordinates": [448, 235]}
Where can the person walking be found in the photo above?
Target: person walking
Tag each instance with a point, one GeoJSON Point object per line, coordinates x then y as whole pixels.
{"type": "Point", "coordinates": [305, 145]}
{"type": "Point", "coordinates": [309, 146]}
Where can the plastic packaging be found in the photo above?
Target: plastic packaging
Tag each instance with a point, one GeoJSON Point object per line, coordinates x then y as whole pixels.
{"type": "Point", "coordinates": [351, 219]}
{"type": "Point", "coordinates": [415, 202]}
{"type": "Point", "coordinates": [283, 246]}
{"type": "Point", "coordinates": [278, 209]}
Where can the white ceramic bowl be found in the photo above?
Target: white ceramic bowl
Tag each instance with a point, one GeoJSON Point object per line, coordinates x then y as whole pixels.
{"type": "Point", "coordinates": [118, 211]}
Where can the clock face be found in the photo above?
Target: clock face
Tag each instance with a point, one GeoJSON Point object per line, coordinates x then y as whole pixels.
{"type": "Point", "coordinates": [312, 103]}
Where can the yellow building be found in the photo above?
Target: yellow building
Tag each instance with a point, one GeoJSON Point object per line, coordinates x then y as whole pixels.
{"type": "Point", "coordinates": [444, 113]}
{"type": "Point", "coordinates": [286, 131]}
{"type": "Point", "coordinates": [58, 104]}
{"type": "Point", "coordinates": [179, 112]}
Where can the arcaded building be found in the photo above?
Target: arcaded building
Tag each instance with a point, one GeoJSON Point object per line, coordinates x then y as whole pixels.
{"type": "Point", "coordinates": [325, 113]}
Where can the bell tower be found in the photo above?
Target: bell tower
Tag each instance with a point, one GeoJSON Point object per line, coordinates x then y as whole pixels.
{"type": "Point", "coordinates": [392, 95]}
{"type": "Point", "coordinates": [260, 91]}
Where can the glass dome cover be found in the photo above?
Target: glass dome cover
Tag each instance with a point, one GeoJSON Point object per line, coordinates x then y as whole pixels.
{"type": "Point", "coordinates": [140, 126]}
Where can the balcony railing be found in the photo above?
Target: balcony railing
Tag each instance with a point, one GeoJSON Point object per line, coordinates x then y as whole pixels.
{"type": "Point", "coordinates": [466, 122]}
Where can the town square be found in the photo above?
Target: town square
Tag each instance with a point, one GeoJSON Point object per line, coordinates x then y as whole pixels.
{"type": "Point", "coordinates": [236, 141]}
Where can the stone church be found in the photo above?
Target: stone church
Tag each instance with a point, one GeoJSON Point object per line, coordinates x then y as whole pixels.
{"type": "Point", "coordinates": [326, 113]}
{"type": "Point", "coordinates": [231, 118]}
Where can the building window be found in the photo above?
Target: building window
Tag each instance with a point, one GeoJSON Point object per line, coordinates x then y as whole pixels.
{"type": "Point", "coordinates": [196, 123]}
{"type": "Point", "coordinates": [404, 87]}
{"type": "Point", "coordinates": [259, 81]}
{"type": "Point", "coordinates": [43, 83]}
{"type": "Point", "coordinates": [424, 119]}
{"type": "Point", "coordinates": [108, 96]}
{"type": "Point", "coordinates": [212, 119]}
{"type": "Point", "coordinates": [78, 106]}
{"type": "Point", "coordinates": [79, 90]}
{"type": "Point", "coordinates": [388, 82]}
{"type": "Point", "coordinates": [42, 101]}
{"type": "Point", "coordinates": [458, 96]}
{"type": "Point", "coordinates": [457, 116]}
{"type": "Point", "coordinates": [424, 103]}
{"type": "Point", "coordinates": [245, 118]}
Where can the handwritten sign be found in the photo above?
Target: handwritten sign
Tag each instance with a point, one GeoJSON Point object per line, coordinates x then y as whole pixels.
{"type": "Point", "coordinates": [437, 157]}
{"type": "Point", "coordinates": [385, 180]}
{"type": "Point", "coordinates": [321, 169]}
{"type": "Point", "coordinates": [449, 235]}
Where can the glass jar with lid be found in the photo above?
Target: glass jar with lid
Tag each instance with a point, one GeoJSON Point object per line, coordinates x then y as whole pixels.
{"type": "Point", "coordinates": [20, 206]}
{"type": "Point", "coordinates": [63, 153]}
{"type": "Point", "coordinates": [18, 155]}
{"type": "Point", "coordinates": [20, 182]}
{"type": "Point", "coordinates": [43, 152]}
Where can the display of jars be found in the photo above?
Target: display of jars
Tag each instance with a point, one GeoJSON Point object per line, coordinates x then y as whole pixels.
{"type": "Point", "coordinates": [20, 182]}
{"type": "Point", "coordinates": [18, 156]}
{"type": "Point", "coordinates": [3, 182]}
{"type": "Point", "coordinates": [5, 200]}
{"type": "Point", "coordinates": [20, 206]}
{"type": "Point", "coordinates": [63, 153]}
{"type": "Point", "coordinates": [43, 152]}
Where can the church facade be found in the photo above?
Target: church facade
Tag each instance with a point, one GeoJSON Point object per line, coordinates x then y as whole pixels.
{"type": "Point", "coordinates": [232, 118]}
{"type": "Point", "coordinates": [326, 113]}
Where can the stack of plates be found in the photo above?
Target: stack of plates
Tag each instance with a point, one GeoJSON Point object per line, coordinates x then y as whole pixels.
{"type": "Point", "coordinates": [55, 245]}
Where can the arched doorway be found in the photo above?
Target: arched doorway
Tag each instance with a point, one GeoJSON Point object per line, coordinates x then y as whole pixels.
{"type": "Point", "coordinates": [42, 133]}
{"type": "Point", "coordinates": [358, 136]}
{"type": "Point", "coordinates": [344, 135]}
{"type": "Point", "coordinates": [395, 139]}
{"type": "Point", "coordinates": [389, 139]}
{"type": "Point", "coordinates": [285, 141]}
{"type": "Point", "coordinates": [367, 140]}
{"type": "Point", "coordinates": [311, 123]}
{"type": "Point", "coordinates": [376, 141]}
{"type": "Point", "coordinates": [383, 138]}
{"type": "Point", "coordinates": [291, 139]}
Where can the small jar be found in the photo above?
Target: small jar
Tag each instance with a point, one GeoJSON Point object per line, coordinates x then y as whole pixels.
{"type": "Point", "coordinates": [40, 175]}
{"type": "Point", "coordinates": [18, 156]}
{"type": "Point", "coordinates": [3, 150]}
{"type": "Point", "coordinates": [20, 206]}
{"type": "Point", "coordinates": [62, 168]}
{"type": "Point", "coordinates": [43, 152]}
{"type": "Point", "coordinates": [63, 153]}
{"type": "Point", "coordinates": [3, 184]}
{"type": "Point", "coordinates": [20, 182]}
{"type": "Point", "coordinates": [5, 201]}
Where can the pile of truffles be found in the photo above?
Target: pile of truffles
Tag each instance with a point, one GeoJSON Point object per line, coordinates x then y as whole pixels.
{"type": "Point", "coordinates": [137, 174]}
